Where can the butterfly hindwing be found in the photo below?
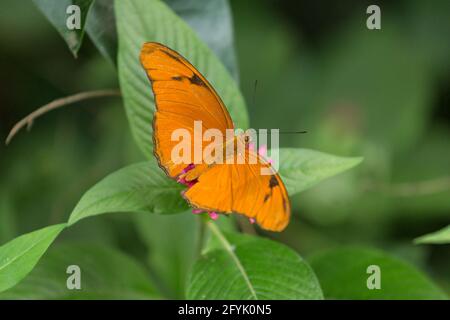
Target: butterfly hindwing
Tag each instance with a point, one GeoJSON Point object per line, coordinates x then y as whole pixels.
{"type": "Point", "coordinates": [241, 188]}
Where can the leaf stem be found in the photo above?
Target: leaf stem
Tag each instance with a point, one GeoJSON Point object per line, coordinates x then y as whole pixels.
{"type": "Point", "coordinates": [28, 120]}
{"type": "Point", "coordinates": [229, 248]}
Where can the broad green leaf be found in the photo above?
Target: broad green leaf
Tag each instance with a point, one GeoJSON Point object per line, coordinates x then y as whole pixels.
{"type": "Point", "coordinates": [246, 267]}
{"type": "Point", "coordinates": [208, 19]}
{"type": "Point", "coordinates": [19, 256]}
{"type": "Point", "coordinates": [439, 237]}
{"type": "Point", "coordinates": [172, 242]}
{"type": "Point", "coordinates": [142, 21]}
{"type": "Point", "coordinates": [301, 169]}
{"type": "Point", "coordinates": [101, 28]}
{"type": "Point", "coordinates": [105, 273]}
{"type": "Point", "coordinates": [212, 21]}
{"type": "Point", "coordinates": [141, 187]}
{"type": "Point", "coordinates": [343, 275]}
{"type": "Point", "coordinates": [56, 13]}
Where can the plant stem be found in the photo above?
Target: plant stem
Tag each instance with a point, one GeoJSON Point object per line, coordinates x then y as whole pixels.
{"type": "Point", "coordinates": [230, 249]}
{"type": "Point", "coordinates": [28, 120]}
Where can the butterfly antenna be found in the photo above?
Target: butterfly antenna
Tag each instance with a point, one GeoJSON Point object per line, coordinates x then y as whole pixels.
{"type": "Point", "coordinates": [292, 132]}
{"type": "Point", "coordinates": [254, 93]}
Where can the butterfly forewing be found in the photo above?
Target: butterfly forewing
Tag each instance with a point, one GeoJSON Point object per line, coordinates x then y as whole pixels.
{"type": "Point", "coordinates": [182, 96]}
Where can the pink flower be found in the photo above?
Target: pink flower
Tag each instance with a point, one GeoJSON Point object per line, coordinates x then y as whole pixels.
{"type": "Point", "coordinates": [212, 214]}
{"type": "Point", "coordinates": [262, 151]}
{"type": "Point", "coordinates": [188, 168]}
{"type": "Point", "coordinates": [183, 179]}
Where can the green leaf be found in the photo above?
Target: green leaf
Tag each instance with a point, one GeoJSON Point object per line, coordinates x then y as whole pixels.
{"type": "Point", "coordinates": [101, 28]}
{"type": "Point", "coordinates": [439, 237]}
{"type": "Point", "coordinates": [19, 256]}
{"type": "Point", "coordinates": [207, 19]}
{"type": "Point", "coordinates": [246, 267]}
{"type": "Point", "coordinates": [343, 275]}
{"type": "Point", "coordinates": [142, 21]}
{"type": "Point", "coordinates": [106, 273]}
{"type": "Point", "coordinates": [55, 11]}
{"type": "Point", "coordinates": [141, 187]}
{"type": "Point", "coordinates": [301, 169]}
{"type": "Point", "coordinates": [212, 21]}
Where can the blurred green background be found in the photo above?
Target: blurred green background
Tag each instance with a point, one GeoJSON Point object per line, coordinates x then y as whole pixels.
{"type": "Point", "coordinates": [383, 95]}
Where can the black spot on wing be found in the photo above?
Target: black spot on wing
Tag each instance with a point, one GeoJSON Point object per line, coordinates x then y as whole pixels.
{"type": "Point", "coordinates": [172, 55]}
{"type": "Point", "coordinates": [266, 197]}
{"type": "Point", "coordinates": [195, 79]}
{"type": "Point", "coordinates": [273, 182]}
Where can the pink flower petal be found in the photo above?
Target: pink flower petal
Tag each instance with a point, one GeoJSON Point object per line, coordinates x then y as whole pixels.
{"type": "Point", "coordinates": [262, 151]}
{"type": "Point", "coordinates": [188, 168]}
{"type": "Point", "coordinates": [251, 146]}
{"type": "Point", "coordinates": [197, 211]}
{"type": "Point", "coordinates": [213, 215]}
{"type": "Point", "coordinates": [252, 220]}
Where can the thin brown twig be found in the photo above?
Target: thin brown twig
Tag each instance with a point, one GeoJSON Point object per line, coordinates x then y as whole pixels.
{"type": "Point", "coordinates": [28, 120]}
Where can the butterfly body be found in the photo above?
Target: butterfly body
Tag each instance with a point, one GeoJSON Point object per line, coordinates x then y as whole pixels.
{"type": "Point", "coordinates": [228, 181]}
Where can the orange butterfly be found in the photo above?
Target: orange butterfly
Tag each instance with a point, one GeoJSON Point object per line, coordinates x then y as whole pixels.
{"type": "Point", "coordinates": [182, 96]}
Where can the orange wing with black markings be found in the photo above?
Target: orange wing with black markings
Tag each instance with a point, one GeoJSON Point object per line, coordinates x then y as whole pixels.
{"type": "Point", "coordinates": [240, 188]}
{"type": "Point", "coordinates": [182, 96]}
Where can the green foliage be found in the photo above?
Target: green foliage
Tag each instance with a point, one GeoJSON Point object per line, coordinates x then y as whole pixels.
{"type": "Point", "coordinates": [101, 28]}
{"type": "Point", "coordinates": [245, 267]}
{"type": "Point", "coordinates": [301, 169]}
{"type": "Point", "coordinates": [358, 93]}
{"type": "Point", "coordinates": [212, 22]}
{"type": "Point", "coordinates": [343, 274]}
{"type": "Point", "coordinates": [141, 187]}
{"type": "Point", "coordinates": [19, 256]}
{"type": "Point", "coordinates": [55, 11]}
{"type": "Point", "coordinates": [105, 273]}
{"type": "Point", "coordinates": [143, 21]}
{"type": "Point", "coordinates": [171, 242]}
{"type": "Point", "coordinates": [439, 237]}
